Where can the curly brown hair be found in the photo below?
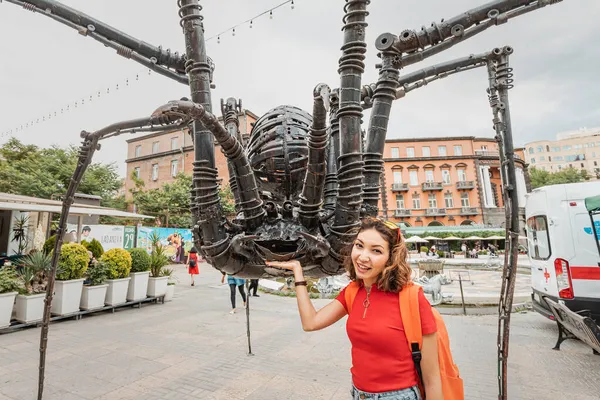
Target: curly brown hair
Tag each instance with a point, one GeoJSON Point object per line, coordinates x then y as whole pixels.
{"type": "Point", "coordinates": [397, 272]}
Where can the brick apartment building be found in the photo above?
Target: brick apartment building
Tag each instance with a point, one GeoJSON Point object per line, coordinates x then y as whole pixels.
{"type": "Point", "coordinates": [157, 158]}
{"type": "Point", "coordinates": [446, 181]}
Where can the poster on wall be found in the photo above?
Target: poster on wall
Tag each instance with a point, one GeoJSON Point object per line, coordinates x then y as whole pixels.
{"type": "Point", "coordinates": [109, 236]}
{"type": "Point", "coordinates": [177, 241]}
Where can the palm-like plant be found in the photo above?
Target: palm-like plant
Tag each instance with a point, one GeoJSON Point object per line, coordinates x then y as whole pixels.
{"type": "Point", "coordinates": [158, 258]}
{"type": "Point", "coordinates": [32, 266]}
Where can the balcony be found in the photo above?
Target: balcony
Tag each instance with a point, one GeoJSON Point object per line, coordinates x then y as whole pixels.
{"type": "Point", "coordinates": [487, 153]}
{"type": "Point", "coordinates": [465, 185]}
{"type": "Point", "coordinates": [399, 187]}
{"type": "Point", "coordinates": [401, 212]}
{"type": "Point", "coordinates": [468, 211]}
{"type": "Point", "coordinates": [432, 186]}
{"type": "Point", "coordinates": [432, 212]}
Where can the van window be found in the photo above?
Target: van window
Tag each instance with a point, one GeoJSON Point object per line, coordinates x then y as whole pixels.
{"type": "Point", "coordinates": [538, 238]}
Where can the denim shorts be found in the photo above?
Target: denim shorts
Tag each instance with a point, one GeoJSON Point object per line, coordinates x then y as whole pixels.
{"type": "Point", "coordinates": [411, 393]}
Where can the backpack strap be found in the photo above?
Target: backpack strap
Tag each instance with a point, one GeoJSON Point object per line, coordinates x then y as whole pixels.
{"type": "Point", "coordinates": [350, 295]}
{"type": "Point", "coordinates": [411, 319]}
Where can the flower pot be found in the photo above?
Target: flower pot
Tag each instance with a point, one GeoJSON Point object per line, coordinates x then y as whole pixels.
{"type": "Point", "coordinates": [67, 295]}
{"type": "Point", "coordinates": [157, 286]}
{"type": "Point", "coordinates": [170, 292]}
{"type": "Point", "coordinates": [6, 306]}
{"type": "Point", "coordinates": [30, 308]}
{"type": "Point", "coordinates": [93, 297]}
{"type": "Point", "coordinates": [138, 286]}
{"type": "Point", "coordinates": [116, 293]}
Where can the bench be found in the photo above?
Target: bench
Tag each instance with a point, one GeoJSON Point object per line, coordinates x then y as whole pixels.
{"type": "Point", "coordinates": [575, 325]}
{"type": "Point", "coordinates": [430, 268]}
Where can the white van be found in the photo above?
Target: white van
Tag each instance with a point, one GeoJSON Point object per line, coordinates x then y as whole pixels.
{"type": "Point", "coordinates": [562, 239]}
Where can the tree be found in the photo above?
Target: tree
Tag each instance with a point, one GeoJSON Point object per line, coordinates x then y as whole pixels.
{"type": "Point", "coordinates": [171, 203]}
{"type": "Point", "coordinates": [32, 171]}
{"type": "Point", "coordinates": [541, 177]}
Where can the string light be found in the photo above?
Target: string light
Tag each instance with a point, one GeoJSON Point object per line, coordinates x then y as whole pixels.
{"type": "Point", "coordinates": [67, 108]}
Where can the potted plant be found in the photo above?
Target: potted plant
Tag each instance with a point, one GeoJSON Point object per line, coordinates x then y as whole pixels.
{"type": "Point", "coordinates": [9, 288]}
{"type": "Point", "coordinates": [140, 272]}
{"type": "Point", "coordinates": [171, 281]}
{"type": "Point", "coordinates": [118, 262]}
{"type": "Point", "coordinates": [32, 272]}
{"type": "Point", "coordinates": [95, 247]}
{"type": "Point", "coordinates": [94, 293]}
{"type": "Point", "coordinates": [157, 284]}
{"type": "Point", "coordinates": [73, 263]}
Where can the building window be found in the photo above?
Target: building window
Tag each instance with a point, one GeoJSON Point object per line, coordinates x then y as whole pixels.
{"type": "Point", "coordinates": [426, 151]}
{"type": "Point", "coordinates": [397, 176]}
{"type": "Point", "coordinates": [540, 149]}
{"type": "Point", "coordinates": [155, 147]}
{"type": "Point", "coordinates": [442, 151]}
{"type": "Point", "coordinates": [483, 148]}
{"type": "Point", "coordinates": [428, 175]}
{"type": "Point", "coordinates": [175, 143]}
{"type": "Point", "coordinates": [399, 202]}
{"type": "Point", "coordinates": [567, 147]}
{"type": "Point", "coordinates": [136, 171]}
{"type": "Point", "coordinates": [138, 151]}
{"type": "Point", "coordinates": [410, 152]}
{"type": "Point", "coordinates": [174, 166]}
{"type": "Point", "coordinates": [542, 158]}
{"type": "Point", "coordinates": [549, 158]}
{"type": "Point", "coordinates": [414, 178]}
{"type": "Point", "coordinates": [555, 149]}
{"type": "Point", "coordinates": [548, 148]}
{"type": "Point", "coordinates": [416, 203]}
{"type": "Point", "coordinates": [395, 152]}
{"type": "Point", "coordinates": [531, 150]}
{"type": "Point", "coordinates": [533, 160]}
{"type": "Point", "coordinates": [595, 163]}
{"type": "Point", "coordinates": [462, 174]}
{"type": "Point", "coordinates": [581, 165]}
{"type": "Point", "coordinates": [154, 172]}
{"type": "Point", "coordinates": [464, 199]}
{"type": "Point", "coordinates": [446, 176]}
{"type": "Point", "coordinates": [458, 150]}
{"type": "Point", "coordinates": [448, 200]}
{"type": "Point", "coordinates": [431, 200]}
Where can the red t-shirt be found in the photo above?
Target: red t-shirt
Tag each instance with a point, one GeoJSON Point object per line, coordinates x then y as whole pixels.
{"type": "Point", "coordinates": [381, 358]}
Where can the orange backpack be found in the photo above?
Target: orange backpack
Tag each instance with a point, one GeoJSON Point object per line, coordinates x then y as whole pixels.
{"type": "Point", "coordinates": [452, 384]}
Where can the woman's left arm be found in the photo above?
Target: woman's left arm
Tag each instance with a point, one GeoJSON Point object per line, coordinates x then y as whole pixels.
{"type": "Point", "coordinates": [430, 368]}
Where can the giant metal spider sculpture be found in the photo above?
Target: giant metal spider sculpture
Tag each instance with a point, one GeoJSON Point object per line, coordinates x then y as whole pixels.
{"type": "Point", "coordinates": [301, 186]}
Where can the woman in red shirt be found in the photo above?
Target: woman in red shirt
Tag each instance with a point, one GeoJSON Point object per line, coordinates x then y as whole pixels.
{"type": "Point", "coordinates": [382, 365]}
{"type": "Point", "coordinates": [193, 264]}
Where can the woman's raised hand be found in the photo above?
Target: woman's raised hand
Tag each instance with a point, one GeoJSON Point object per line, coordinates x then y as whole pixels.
{"type": "Point", "coordinates": [292, 265]}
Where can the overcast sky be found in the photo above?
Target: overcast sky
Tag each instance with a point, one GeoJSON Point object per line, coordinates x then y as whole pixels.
{"type": "Point", "coordinates": [46, 65]}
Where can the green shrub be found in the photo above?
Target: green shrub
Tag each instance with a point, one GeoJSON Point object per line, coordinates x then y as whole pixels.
{"type": "Point", "coordinates": [140, 260]}
{"type": "Point", "coordinates": [440, 254]}
{"type": "Point", "coordinates": [158, 260]}
{"type": "Point", "coordinates": [73, 262]}
{"type": "Point", "coordinates": [118, 262]}
{"type": "Point", "coordinates": [424, 249]}
{"type": "Point", "coordinates": [34, 267]}
{"type": "Point", "coordinates": [97, 273]}
{"type": "Point", "coordinates": [9, 281]}
{"type": "Point", "coordinates": [49, 245]}
{"type": "Point", "coordinates": [95, 247]}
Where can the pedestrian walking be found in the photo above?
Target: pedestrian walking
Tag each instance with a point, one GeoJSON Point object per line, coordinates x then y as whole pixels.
{"type": "Point", "coordinates": [253, 287]}
{"type": "Point", "coordinates": [233, 283]}
{"type": "Point", "coordinates": [192, 264]}
{"type": "Point", "coordinates": [382, 362]}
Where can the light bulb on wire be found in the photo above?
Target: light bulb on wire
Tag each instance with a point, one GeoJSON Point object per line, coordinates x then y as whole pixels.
{"type": "Point", "coordinates": [271, 14]}
{"type": "Point", "coordinates": [292, 4]}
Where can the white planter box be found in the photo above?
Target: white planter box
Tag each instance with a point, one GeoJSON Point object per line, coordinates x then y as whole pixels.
{"type": "Point", "coordinates": [93, 297]}
{"type": "Point", "coordinates": [30, 308]}
{"type": "Point", "coordinates": [170, 292]}
{"type": "Point", "coordinates": [138, 286]}
{"type": "Point", "coordinates": [116, 293]}
{"type": "Point", "coordinates": [6, 306]}
{"type": "Point", "coordinates": [67, 295]}
{"type": "Point", "coordinates": [157, 286]}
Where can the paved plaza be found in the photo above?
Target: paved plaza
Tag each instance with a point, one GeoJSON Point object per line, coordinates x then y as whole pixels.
{"type": "Point", "coordinates": [192, 348]}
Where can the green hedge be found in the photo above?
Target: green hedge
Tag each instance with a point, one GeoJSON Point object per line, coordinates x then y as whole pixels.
{"type": "Point", "coordinates": [140, 260]}
{"type": "Point", "coordinates": [73, 262]}
{"type": "Point", "coordinates": [95, 247]}
{"type": "Point", "coordinates": [118, 262]}
{"type": "Point", "coordinates": [49, 244]}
